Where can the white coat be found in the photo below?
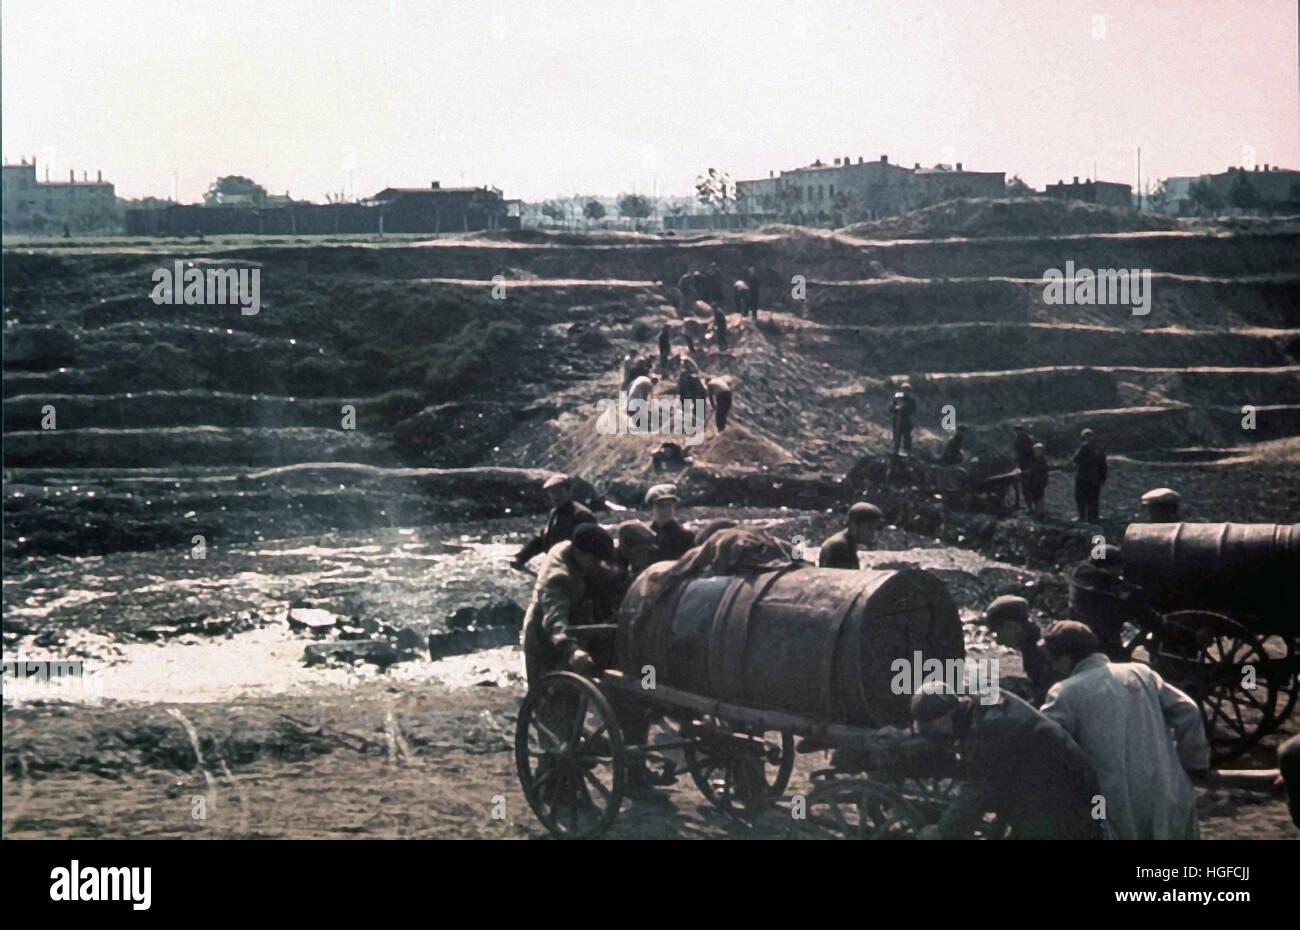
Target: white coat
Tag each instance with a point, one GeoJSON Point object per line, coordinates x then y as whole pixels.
{"type": "Point", "coordinates": [1121, 714]}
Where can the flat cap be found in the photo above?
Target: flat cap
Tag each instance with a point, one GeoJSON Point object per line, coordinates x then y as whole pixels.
{"type": "Point", "coordinates": [1087, 434]}
{"type": "Point", "coordinates": [934, 700]}
{"type": "Point", "coordinates": [555, 481]}
{"type": "Point", "coordinates": [864, 511]}
{"type": "Point", "coordinates": [661, 492]}
{"type": "Point", "coordinates": [1109, 555]}
{"type": "Point", "coordinates": [1007, 609]}
{"type": "Point", "coordinates": [1070, 638]}
{"type": "Point", "coordinates": [632, 533]}
{"type": "Point", "coordinates": [592, 539]}
{"type": "Point", "coordinates": [1161, 496]}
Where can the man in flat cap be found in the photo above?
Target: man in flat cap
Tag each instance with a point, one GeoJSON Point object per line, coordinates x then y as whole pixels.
{"type": "Point", "coordinates": [1123, 714]}
{"type": "Point", "coordinates": [1007, 618]}
{"type": "Point", "coordinates": [1018, 765]}
{"type": "Point", "coordinates": [902, 412]}
{"type": "Point", "coordinates": [840, 550]}
{"type": "Point", "coordinates": [1102, 599]}
{"type": "Point", "coordinates": [562, 597]}
{"type": "Point", "coordinates": [672, 540]}
{"type": "Point", "coordinates": [566, 516]}
{"type": "Point", "coordinates": [1089, 476]}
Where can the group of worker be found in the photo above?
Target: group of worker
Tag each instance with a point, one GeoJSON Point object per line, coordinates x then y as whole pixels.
{"type": "Point", "coordinates": [639, 383]}
{"type": "Point", "coordinates": [707, 286]}
{"type": "Point", "coordinates": [587, 571]}
{"type": "Point", "coordinates": [1089, 459]}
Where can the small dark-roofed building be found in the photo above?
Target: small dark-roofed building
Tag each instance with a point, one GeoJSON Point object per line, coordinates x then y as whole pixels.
{"type": "Point", "coordinates": [1105, 193]}
{"type": "Point", "coordinates": [443, 209]}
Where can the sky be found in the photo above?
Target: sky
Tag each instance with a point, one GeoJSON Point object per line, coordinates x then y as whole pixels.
{"type": "Point", "coordinates": [543, 98]}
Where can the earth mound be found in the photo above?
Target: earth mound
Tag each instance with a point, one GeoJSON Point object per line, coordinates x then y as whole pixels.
{"type": "Point", "coordinates": [1035, 216]}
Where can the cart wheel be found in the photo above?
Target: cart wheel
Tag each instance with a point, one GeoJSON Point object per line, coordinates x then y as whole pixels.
{"type": "Point", "coordinates": [855, 808]}
{"type": "Point", "coordinates": [570, 757]}
{"type": "Point", "coordinates": [1211, 657]}
{"type": "Point", "coordinates": [735, 771]}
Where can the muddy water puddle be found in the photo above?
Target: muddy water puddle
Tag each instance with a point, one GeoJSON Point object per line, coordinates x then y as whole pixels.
{"type": "Point", "coordinates": [160, 627]}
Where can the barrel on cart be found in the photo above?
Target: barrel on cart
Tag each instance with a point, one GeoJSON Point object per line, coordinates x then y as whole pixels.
{"type": "Point", "coordinates": [733, 667]}
{"type": "Point", "coordinates": [1229, 632]}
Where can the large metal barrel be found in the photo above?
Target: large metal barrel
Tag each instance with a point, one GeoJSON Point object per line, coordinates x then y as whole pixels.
{"type": "Point", "coordinates": [1239, 568]}
{"type": "Point", "coordinates": [812, 641]}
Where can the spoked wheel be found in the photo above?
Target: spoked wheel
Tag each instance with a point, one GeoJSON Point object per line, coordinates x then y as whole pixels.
{"type": "Point", "coordinates": [855, 808]}
{"type": "Point", "coordinates": [738, 772]}
{"type": "Point", "coordinates": [570, 757]}
{"type": "Point", "coordinates": [1216, 660]}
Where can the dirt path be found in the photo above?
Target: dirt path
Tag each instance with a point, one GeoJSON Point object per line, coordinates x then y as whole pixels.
{"type": "Point", "coordinates": [384, 760]}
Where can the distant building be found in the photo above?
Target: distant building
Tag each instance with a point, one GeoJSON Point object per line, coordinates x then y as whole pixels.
{"type": "Point", "coordinates": [29, 203]}
{"type": "Point", "coordinates": [862, 189]}
{"type": "Point", "coordinates": [444, 209]}
{"type": "Point", "coordinates": [1262, 188]}
{"type": "Point", "coordinates": [1105, 193]}
{"type": "Point", "coordinates": [430, 209]}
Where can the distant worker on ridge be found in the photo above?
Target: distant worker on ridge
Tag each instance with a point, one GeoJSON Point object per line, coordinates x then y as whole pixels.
{"type": "Point", "coordinates": [1089, 476]}
{"type": "Point", "coordinates": [903, 410]}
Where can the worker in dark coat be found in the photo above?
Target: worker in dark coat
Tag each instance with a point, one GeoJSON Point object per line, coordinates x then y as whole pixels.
{"type": "Point", "coordinates": [903, 410]}
{"type": "Point", "coordinates": [1022, 447]}
{"type": "Point", "coordinates": [665, 345]}
{"type": "Point", "coordinates": [672, 540]}
{"type": "Point", "coordinates": [566, 516]}
{"type": "Point", "coordinates": [562, 598]}
{"type": "Point", "coordinates": [720, 326]}
{"type": "Point", "coordinates": [1018, 765]}
{"type": "Point", "coordinates": [1034, 480]}
{"type": "Point", "coordinates": [1089, 476]}
{"type": "Point", "coordinates": [720, 397]}
{"type": "Point", "coordinates": [690, 388]}
{"type": "Point", "coordinates": [952, 452]}
{"type": "Point", "coordinates": [751, 279]}
{"type": "Point", "coordinates": [840, 550]}
{"type": "Point", "coordinates": [1102, 599]}
{"type": "Point", "coordinates": [740, 293]}
{"type": "Point", "coordinates": [1007, 618]}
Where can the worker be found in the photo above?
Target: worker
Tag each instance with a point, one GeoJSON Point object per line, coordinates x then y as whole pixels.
{"type": "Point", "coordinates": [1007, 618]}
{"type": "Point", "coordinates": [672, 540]}
{"type": "Point", "coordinates": [1142, 734]}
{"type": "Point", "coordinates": [1022, 447]}
{"type": "Point", "coordinates": [561, 598]}
{"type": "Point", "coordinates": [1100, 598]}
{"type": "Point", "coordinates": [903, 409]}
{"type": "Point", "coordinates": [639, 390]}
{"type": "Point", "coordinates": [665, 345]}
{"type": "Point", "coordinates": [634, 551]}
{"type": "Point", "coordinates": [720, 326]}
{"type": "Point", "coordinates": [1162, 505]}
{"type": "Point", "coordinates": [629, 362]}
{"type": "Point", "coordinates": [566, 515]}
{"type": "Point", "coordinates": [1288, 764]}
{"type": "Point", "coordinates": [690, 388]}
{"type": "Point", "coordinates": [688, 289]}
{"type": "Point", "coordinates": [1034, 480]}
{"type": "Point", "coordinates": [751, 279]}
{"type": "Point", "coordinates": [840, 550]}
{"type": "Point", "coordinates": [952, 452]}
{"type": "Point", "coordinates": [719, 389]}
{"type": "Point", "coordinates": [740, 294]}
{"type": "Point", "coordinates": [1018, 765]}
{"type": "Point", "coordinates": [1089, 476]}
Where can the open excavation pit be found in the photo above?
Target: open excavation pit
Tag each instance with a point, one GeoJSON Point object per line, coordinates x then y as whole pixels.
{"type": "Point", "coordinates": [187, 421]}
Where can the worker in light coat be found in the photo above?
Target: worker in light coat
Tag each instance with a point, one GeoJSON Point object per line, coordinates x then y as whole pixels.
{"type": "Point", "coordinates": [1122, 714]}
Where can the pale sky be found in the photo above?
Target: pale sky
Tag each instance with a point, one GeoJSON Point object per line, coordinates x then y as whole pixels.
{"type": "Point", "coordinates": [545, 98]}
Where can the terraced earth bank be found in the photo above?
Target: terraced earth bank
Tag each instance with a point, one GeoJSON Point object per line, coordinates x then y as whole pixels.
{"type": "Point", "coordinates": [385, 386]}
